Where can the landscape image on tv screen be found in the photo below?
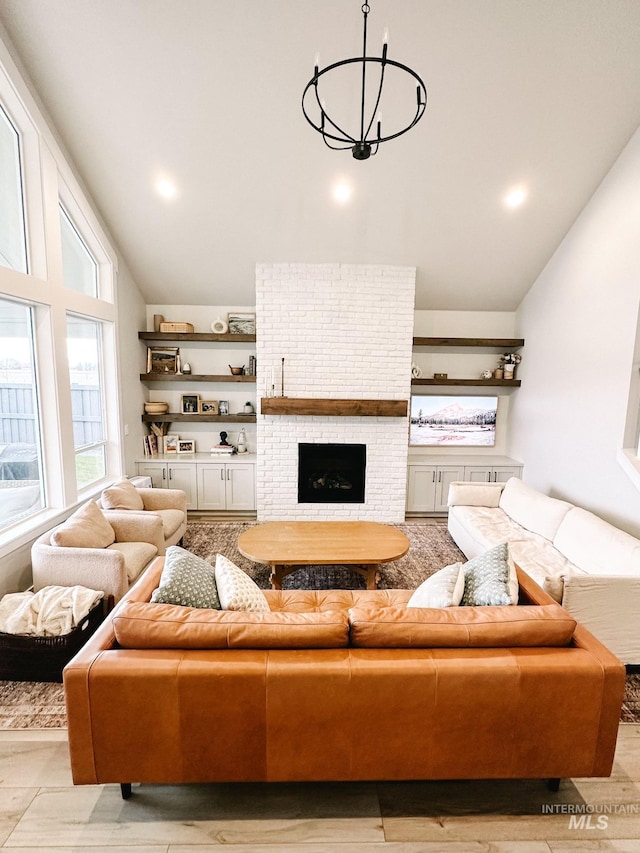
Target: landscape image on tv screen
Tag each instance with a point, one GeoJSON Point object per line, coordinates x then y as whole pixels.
{"type": "Point", "coordinates": [453, 421]}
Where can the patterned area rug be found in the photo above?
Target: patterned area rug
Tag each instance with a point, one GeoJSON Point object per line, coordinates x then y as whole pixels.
{"type": "Point", "coordinates": [35, 705]}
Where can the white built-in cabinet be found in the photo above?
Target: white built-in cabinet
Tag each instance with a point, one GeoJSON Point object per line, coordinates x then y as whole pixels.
{"type": "Point", "coordinates": [209, 484]}
{"type": "Point", "coordinates": [428, 486]}
{"type": "Point", "coordinates": [429, 477]}
{"type": "Point", "coordinates": [226, 486]}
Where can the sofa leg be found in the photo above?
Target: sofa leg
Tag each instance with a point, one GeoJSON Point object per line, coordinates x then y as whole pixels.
{"type": "Point", "coordinates": [125, 790]}
{"type": "Point", "coordinates": [553, 784]}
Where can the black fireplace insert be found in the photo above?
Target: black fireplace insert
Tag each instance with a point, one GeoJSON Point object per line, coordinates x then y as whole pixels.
{"type": "Point", "coordinates": [331, 473]}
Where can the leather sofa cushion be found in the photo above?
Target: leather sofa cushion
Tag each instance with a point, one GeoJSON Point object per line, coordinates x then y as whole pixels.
{"type": "Point", "coordinates": [142, 625]}
{"type": "Point", "coordinates": [460, 627]}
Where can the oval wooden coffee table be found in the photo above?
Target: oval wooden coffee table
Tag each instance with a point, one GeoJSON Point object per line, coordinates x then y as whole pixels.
{"type": "Point", "coordinates": [286, 545]}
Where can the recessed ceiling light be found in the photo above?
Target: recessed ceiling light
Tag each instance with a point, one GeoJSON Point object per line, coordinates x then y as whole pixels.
{"type": "Point", "coordinates": [341, 192]}
{"type": "Point", "coordinates": [515, 197]}
{"type": "Point", "coordinates": [166, 188]}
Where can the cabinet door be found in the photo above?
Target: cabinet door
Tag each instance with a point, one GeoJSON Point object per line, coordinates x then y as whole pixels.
{"type": "Point", "coordinates": [184, 476]}
{"type": "Point", "coordinates": [212, 485]}
{"type": "Point", "coordinates": [240, 486]}
{"type": "Point", "coordinates": [446, 474]}
{"type": "Point", "coordinates": [421, 488]}
{"type": "Point", "coordinates": [157, 471]}
{"type": "Point", "coordinates": [502, 473]}
{"type": "Point", "coordinates": [478, 473]}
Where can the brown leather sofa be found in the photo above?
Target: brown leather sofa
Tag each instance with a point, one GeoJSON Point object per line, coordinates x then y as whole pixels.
{"type": "Point", "coordinates": [340, 685]}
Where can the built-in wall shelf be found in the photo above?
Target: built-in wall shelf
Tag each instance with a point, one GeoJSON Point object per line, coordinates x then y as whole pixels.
{"type": "Point", "coordinates": [201, 337]}
{"type": "Point", "coordinates": [490, 343]}
{"type": "Point", "coordinates": [170, 417]}
{"type": "Point", "coordinates": [194, 377]}
{"type": "Point", "coordinates": [505, 383]}
{"type": "Point", "coordinates": [332, 407]}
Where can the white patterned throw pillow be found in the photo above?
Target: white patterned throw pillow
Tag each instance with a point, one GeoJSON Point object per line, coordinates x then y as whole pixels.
{"type": "Point", "coordinates": [236, 589]}
{"type": "Point", "coordinates": [490, 578]}
{"type": "Point", "coordinates": [442, 589]}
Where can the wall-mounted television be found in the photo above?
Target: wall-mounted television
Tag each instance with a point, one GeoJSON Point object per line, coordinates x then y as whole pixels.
{"type": "Point", "coordinates": [452, 420]}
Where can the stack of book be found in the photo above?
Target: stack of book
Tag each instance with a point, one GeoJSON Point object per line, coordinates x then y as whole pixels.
{"type": "Point", "coordinates": [223, 449]}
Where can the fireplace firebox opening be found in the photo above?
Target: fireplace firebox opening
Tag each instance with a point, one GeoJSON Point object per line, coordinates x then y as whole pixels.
{"type": "Point", "coordinates": [331, 473]}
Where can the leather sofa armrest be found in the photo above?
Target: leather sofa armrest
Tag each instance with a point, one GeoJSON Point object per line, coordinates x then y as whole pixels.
{"type": "Point", "coordinates": [475, 494]}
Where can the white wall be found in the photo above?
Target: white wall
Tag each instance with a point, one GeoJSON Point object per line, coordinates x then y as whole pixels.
{"type": "Point", "coordinates": [580, 324]}
{"type": "Point", "coordinates": [131, 353]}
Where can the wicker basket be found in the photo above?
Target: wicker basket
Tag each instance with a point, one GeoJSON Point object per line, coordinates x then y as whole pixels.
{"type": "Point", "coordinates": [25, 658]}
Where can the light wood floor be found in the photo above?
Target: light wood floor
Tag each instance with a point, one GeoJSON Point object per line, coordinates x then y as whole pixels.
{"type": "Point", "coordinates": [41, 811]}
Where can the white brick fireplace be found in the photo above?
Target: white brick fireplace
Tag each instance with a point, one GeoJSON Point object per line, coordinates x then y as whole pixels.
{"type": "Point", "coordinates": [345, 333]}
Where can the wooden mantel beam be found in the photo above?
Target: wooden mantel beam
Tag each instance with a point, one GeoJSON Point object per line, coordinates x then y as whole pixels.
{"type": "Point", "coordinates": [333, 407]}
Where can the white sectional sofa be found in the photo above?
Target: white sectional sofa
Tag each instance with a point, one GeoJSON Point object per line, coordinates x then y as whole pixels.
{"type": "Point", "coordinates": [589, 566]}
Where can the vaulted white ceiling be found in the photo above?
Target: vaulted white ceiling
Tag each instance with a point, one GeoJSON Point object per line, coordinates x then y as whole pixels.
{"type": "Point", "coordinates": [539, 93]}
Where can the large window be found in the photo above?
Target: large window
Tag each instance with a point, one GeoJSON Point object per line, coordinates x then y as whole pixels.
{"type": "Point", "coordinates": [79, 266]}
{"type": "Point", "coordinates": [13, 251]}
{"type": "Point", "coordinates": [21, 487]}
{"type": "Point", "coordinates": [84, 352]}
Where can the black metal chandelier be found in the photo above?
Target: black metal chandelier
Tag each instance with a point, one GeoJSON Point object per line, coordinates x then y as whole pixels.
{"type": "Point", "coordinates": [370, 133]}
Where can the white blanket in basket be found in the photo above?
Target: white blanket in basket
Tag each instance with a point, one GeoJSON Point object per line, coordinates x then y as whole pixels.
{"type": "Point", "coordinates": [50, 612]}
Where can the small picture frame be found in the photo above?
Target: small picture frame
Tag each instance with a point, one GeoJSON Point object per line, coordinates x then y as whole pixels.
{"type": "Point", "coordinates": [223, 407]}
{"type": "Point", "coordinates": [171, 443]}
{"type": "Point", "coordinates": [190, 404]}
{"type": "Point", "coordinates": [241, 323]}
{"type": "Point", "coordinates": [163, 359]}
{"type": "Point", "coordinates": [186, 445]}
{"type": "Point", "coordinates": [209, 407]}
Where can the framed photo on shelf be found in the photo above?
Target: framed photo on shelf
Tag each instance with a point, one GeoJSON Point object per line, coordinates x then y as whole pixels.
{"type": "Point", "coordinates": [209, 407]}
{"type": "Point", "coordinates": [241, 323]}
{"type": "Point", "coordinates": [190, 404]}
{"type": "Point", "coordinates": [171, 443]}
{"type": "Point", "coordinates": [186, 445]}
{"type": "Point", "coordinates": [162, 359]}
{"type": "Point", "coordinates": [223, 407]}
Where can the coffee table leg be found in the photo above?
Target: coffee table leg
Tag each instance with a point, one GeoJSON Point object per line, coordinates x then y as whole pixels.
{"type": "Point", "coordinates": [276, 576]}
{"type": "Point", "coordinates": [373, 577]}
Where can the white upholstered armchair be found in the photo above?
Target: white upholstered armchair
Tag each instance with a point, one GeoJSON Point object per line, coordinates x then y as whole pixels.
{"type": "Point", "coordinates": [99, 550]}
{"type": "Point", "coordinates": [169, 505]}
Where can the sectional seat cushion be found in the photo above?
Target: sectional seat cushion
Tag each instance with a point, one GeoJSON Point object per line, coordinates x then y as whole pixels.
{"type": "Point", "coordinates": [444, 588]}
{"type": "Point", "coordinates": [532, 510]}
{"type": "Point", "coordinates": [122, 495]}
{"type": "Point", "coordinates": [236, 590]}
{"type": "Point", "coordinates": [491, 578]}
{"type": "Point", "coordinates": [186, 580]}
{"type": "Point", "coordinates": [85, 528]}
{"type": "Point", "coordinates": [136, 555]}
{"type": "Point", "coordinates": [143, 625]}
{"type": "Point", "coordinates": [171, 520]}
{"type": "Point", "coordinates": [596, 546]}
{"type": "Point", "coordinates": [460, 627]}
{"type": "Point", "coordinates": [487, 526]}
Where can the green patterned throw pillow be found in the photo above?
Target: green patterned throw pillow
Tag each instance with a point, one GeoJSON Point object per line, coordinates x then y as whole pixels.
{"type": "Point", "coordinates": [187, 580]}
{"type": "Point", "coordinates": [488, 578]}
